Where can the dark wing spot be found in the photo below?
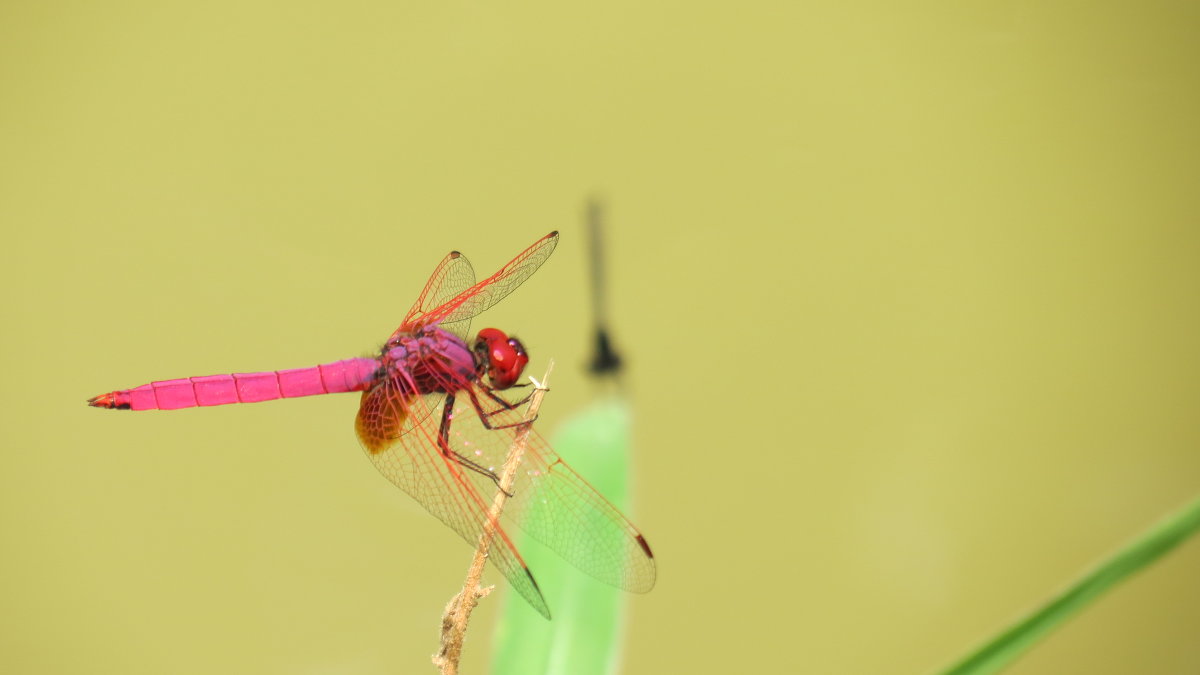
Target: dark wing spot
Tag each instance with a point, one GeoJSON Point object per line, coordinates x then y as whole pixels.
{"type": "Point", "coordinates": [645, 547]}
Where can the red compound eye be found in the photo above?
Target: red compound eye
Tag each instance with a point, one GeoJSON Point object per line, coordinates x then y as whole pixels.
{"type": "Point", "coordinates": [502, 357]}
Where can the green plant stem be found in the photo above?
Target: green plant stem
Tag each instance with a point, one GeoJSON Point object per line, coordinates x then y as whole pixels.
{"type": "Point", "coordinates": [1006, 647]}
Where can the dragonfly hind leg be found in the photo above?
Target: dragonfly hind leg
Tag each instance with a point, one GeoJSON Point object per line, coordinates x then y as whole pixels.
{"type": "Point", "coordinates": [447, 451]}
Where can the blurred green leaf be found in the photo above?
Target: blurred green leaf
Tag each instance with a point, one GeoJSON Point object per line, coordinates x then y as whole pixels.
{"type": "Point", "coordinates": [999, 652]}
{"type": "Point", "coordinates": [584, 636]}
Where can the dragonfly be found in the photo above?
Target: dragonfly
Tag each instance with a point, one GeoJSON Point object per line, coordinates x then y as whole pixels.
{"type": "Point", "coordinates": [437, 417]}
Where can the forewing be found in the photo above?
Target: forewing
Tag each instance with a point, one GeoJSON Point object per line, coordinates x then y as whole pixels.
{"type": "Point", "coordinates": [491, 290]}
{"type": "Point", "coordinates": [450, 278]}
{"type": "Point", "coordinates": [399, 433]}
{"type": "Point", "coordinates": [551, 502]}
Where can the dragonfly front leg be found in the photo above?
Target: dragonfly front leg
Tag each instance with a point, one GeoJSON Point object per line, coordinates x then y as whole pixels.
{"type": "Point", "coordinates": [447, 451]}
{"type": "Point", "coordinates": [485, 416]}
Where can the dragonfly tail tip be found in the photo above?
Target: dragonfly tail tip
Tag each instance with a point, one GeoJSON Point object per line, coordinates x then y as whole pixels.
{"type": "Point", "coordinates": [106, 401]}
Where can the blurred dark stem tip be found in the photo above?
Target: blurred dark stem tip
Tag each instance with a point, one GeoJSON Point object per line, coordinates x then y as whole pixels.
{"type": "Point", "coordinates": [605, 361]}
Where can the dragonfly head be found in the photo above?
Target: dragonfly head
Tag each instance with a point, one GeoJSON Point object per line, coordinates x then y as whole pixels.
{"type": "Point", "coordinates": [499, 357]}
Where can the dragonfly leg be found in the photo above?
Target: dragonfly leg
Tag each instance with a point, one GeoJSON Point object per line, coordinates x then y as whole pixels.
{"type": "Point", "coordinates": [505, 403]}
{"type": "Point", "coordinates": [485, 416]}
{"type": "Point", "coordinates": [447, 451]}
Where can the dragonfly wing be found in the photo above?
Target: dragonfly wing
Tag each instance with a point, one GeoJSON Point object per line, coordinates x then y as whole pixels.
{"type": "Point", "coordinates": [450, 279]}
{"type": "Point", "coordinates": [493, 289]}
{"type": "Point", "coordinates": [551, 502]}
{"type": "Point", "coordinates": [399, 432]}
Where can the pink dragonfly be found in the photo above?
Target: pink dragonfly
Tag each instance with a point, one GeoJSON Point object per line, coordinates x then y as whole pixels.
{"type": "Point", "coordinates": [433, 421]}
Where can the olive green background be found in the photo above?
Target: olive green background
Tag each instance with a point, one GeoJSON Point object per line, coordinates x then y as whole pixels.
{"type": "Point", "coordinates": [909, 298]}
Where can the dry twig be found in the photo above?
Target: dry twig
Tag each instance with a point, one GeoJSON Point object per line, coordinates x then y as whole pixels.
{"type": "Point", "coordinates": [458, 610]}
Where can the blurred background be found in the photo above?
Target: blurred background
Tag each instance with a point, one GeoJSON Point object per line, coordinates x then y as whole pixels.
{"type": "Point", "coordinates": [908, 297]}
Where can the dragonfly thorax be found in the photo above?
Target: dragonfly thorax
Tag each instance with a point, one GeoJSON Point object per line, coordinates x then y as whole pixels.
{"type": "Point", "coordinates": [431, 359]}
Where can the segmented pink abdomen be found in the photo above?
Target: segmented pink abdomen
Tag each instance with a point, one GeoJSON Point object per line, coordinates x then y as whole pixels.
{"type": "Point", "coordinates": [329, 378]}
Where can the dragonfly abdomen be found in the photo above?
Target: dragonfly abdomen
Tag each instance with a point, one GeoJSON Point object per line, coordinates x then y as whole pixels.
{"type": "Point", "coordinates": [330, 378]}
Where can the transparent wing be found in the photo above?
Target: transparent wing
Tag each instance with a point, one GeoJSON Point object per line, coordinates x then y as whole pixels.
{"type": "Point", "coordinates": [450, 278]}
{"type": "Point", "coordinates": [399, 432]}
{"type": "Point", "coordinates": [451, 298]}
{"type": "Point", "coordinates": [550, 501]}
{"type": "Point", "coordinates": [493, 289]}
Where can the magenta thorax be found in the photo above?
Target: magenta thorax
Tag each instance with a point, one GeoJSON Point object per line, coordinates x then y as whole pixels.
{"type": "Point", "coordinates": [432, 359]}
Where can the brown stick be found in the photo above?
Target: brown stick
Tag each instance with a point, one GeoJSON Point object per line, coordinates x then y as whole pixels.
{"type": "Point", "coordinates": [458, 610]}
